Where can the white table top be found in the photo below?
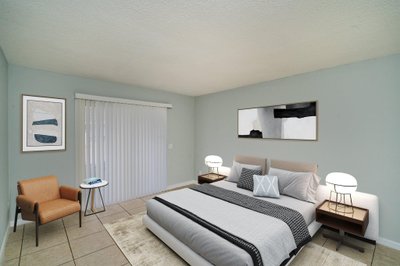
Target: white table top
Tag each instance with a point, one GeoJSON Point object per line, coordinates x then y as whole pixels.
{"type": "Point", "coordinates": [100, 184]}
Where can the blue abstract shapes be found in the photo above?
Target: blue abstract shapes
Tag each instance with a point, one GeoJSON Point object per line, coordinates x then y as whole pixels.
{"type": "Point", "coordinates": [45, 138]}
{"type": "Point", "coordinates": [46, 122]}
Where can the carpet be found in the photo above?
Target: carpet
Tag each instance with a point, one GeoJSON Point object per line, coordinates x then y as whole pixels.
{"type": "Point", "coordinates": [141, 247]}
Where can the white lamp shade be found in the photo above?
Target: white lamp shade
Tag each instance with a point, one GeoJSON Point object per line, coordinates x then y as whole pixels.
{"type": "Point", "coordinates": [341, 182]}
{"type": "Point", "coordinates": [213, 161]}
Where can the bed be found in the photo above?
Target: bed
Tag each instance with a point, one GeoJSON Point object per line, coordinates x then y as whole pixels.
{"type": "Point", "coordinates": [275, 241]}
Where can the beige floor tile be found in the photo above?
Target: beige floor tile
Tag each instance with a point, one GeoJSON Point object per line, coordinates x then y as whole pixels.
{"type": "Point", "coordinates": [108, 256]}
{"type": "Point", "coordinates": [110, 210]}
{"type": "Point", "coordinates": [13, 262]}
{"type": "Point", "coordinates": [87, 228]}
{"type": "Point", "coordinates": [46, 240]}
{"type": "Point", "coordinates": [365, 257]}
{"type": "Point", "coordinates": [112, 218]}
{"type": "Point", "coordinates": [146, 198]}
{"type": "Point", "coordinates": [132, 204]}
{"type": "Point", "coordinates": [54, 255]}
{"type": "Point", "coordinates": [137, 210]}
{"type": "Point", "coordinates": [386, 256]}
{"type": "Point", "coordinates": [73, 219]}
{"type": "Point", "coordinates": [45, 228]}
{"type": "Point", "coordinates": [70, 263]}
{"type": "Point", "coordinates": [17, 235]}
{"type": "Point", "coordinates": [89, 244]}
{"type": "Point", "coordinates": [13, 249]}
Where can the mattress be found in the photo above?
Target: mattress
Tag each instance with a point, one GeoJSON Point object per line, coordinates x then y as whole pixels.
{"type": "Point", "coordinates": [210, 246]}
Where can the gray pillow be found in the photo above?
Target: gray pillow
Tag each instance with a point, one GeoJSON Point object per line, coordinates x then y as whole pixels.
{"type": "Point", "coordinates": [246, 178]}
{"type": "Point", "coordinates": [300, 185]}
{"type": "Point", "coordinates": [266, 186]}
{"type": "Point", "coordinates": [236, 171]}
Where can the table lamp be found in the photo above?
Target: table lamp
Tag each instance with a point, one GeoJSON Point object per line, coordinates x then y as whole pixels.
{"type": "Point", "coordinates": [212, 162]}
{"type": "Point", "coordinates": [342, 185]}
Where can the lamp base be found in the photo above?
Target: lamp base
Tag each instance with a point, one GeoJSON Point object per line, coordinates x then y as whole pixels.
{"type": "Point", "coordinates": [340, 203]}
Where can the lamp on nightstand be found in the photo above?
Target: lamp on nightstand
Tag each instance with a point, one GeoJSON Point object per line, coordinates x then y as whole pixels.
{"type": "Point", "coordinates": [342, 185]}
{"type": "Point", "coordinates": [212, 162]}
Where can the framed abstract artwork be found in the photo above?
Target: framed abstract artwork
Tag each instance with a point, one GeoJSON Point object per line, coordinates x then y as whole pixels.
{"type": "Point", "coordinates": [43, 123]}
{"type": "Point", "coordinates": [295, 121]}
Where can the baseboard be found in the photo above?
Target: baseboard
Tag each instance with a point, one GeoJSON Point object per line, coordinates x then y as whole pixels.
{"type": "Point", "coordinates": [388, 243]}
{"type": "Point", "coordinates": [19, 222]}
{"type": "Point", "coordinates": [186, 183]}
{"type": "Point", "coordinates": [3, 247]}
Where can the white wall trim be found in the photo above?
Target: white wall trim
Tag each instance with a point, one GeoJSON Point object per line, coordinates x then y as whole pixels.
{"type": "Point", "coordinates": [19, 222]}
{"type": "Point", "coordinates": [388, 243]}
{"type": "Point", "coordinates": [120, 100]}
{"type": "Point", "coordinates": [3, 246]}
{"type": "Point", "coordinates": [191, 182]}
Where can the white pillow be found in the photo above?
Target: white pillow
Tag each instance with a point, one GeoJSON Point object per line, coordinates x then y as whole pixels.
{"type": "Point", "coordinates": [266, 186]}
{"type": "Point", "coordinates": [300, 185]}
{"type": "Point", "coordinates": [236, 170]}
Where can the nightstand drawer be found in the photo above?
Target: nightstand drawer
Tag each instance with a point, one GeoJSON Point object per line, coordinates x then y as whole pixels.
{"type": "Point", "coordinates": [354, 223]}
{"type": "Point", "coordinates": [210, 178]}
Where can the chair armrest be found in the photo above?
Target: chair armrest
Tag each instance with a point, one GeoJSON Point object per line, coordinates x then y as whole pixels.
{"type": "Point", "coordinates": [26, 203]}
{"type": "Point", "coordinates": [69, 193]}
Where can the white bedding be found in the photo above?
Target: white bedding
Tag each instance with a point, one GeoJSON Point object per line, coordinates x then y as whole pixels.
{"type": "Point", "coordinates": [306, 209]}
{"type": "Point", "coordinates": [255, 227]}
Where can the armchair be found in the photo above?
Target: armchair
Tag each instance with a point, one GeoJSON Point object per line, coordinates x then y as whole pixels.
{"type": "Point", "coordinates": [42, 200]}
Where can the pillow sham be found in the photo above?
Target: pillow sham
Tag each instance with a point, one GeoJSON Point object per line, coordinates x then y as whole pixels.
{"type": "Point", "coordinates": [300, 185]}
{"type": "Point", "coordinates": [266, 186]}
{"type": "Point", "coordinates": [236, 171]}
{"type": "Point", "coordinates": [246, 178]}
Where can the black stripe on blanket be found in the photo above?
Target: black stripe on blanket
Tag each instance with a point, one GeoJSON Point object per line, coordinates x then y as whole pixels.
{"type": "Point", "coordinates": [248, 247]}
{"type": "Point", "coordinates": [291, 217]}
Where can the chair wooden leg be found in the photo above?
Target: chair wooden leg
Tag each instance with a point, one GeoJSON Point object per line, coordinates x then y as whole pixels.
{"type": "Point", "coordinates": [16, 217]}
{"type": "Point", "coordinates": [37, 224]}
{"type": "Point", "coordinates": [80, 211]}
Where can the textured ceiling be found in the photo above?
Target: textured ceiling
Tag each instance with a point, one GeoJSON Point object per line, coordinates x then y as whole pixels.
{"type": "Point", "coordinates": [195, 47]}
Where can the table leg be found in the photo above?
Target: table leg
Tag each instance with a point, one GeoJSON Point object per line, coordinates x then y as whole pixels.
{"type": "Point", "coordinates": [92, 199]}
{"type": "Point", "coordinates": [341, 240]}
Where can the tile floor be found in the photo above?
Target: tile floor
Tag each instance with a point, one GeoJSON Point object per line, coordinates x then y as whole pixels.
{"type": "Point", "coordinates": [63, 242]}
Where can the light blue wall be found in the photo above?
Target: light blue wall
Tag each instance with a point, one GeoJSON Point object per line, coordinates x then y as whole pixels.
{"type": "Point", "coordinates": [359, 127]}
{"type": "Point", "coordinates": [4, 193]}
{"type": "Point", "coordinates": [62, 163]}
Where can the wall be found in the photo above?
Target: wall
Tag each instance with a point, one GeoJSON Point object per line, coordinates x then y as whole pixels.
{"type": "Point", "coordinates": [62, 163]}
{"type": "Point", "coordinates": [358, 127]}
{"type": "Point", "coordinates": [4, 193]}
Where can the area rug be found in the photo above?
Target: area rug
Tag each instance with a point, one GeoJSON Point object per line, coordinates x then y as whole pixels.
{"type": "Point", "coordinates": [141, 247]}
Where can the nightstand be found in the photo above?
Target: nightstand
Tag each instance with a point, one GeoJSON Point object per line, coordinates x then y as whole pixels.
{"type": "Point", "coordinates": [209, 178]}
{"type": "Point", "coordinates": [354, 223]}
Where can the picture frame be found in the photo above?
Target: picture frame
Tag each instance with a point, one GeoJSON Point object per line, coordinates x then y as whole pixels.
{"type": "Point", "coordinates": [43, 123]}
{"type": "Point", "coordinates": [293, 121]}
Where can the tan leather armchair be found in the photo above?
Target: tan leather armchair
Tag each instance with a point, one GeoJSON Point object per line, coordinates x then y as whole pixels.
{"type": "Point", "coordinates": [42, 200]}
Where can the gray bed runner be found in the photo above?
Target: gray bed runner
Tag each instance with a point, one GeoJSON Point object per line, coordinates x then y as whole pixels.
{"type": "Point", "coordinates": [294, 220]}
{"type": "Point", "coordinates": [291, 217]}
{"type": "Point", "coordinates": [249, 247]}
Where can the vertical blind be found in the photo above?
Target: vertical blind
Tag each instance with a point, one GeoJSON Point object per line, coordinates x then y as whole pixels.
{"type": "Point", "coordinates": [124, 144]}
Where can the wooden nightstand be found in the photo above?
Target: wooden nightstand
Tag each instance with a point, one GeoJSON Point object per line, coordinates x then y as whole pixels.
{"type": "Point", "coordinates": [354, 223]}
{"type": "Point", "coordinates": [209, 178]}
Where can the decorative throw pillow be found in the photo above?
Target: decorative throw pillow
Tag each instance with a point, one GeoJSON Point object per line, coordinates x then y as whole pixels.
{"type": "Point", "coordinates": [266, 186]}
{"type": "Point", "coordinates": [236, 171]}
{"type": "Point", "coordinates": [246, 178]}
{"type": "Point", "coordinates": [300, 185]}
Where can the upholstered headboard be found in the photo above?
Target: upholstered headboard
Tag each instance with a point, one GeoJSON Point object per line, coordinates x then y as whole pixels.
{"type": "Point", "coordinates": [294, 166]}
{"type": "Point", "coordinates": [253, 160]}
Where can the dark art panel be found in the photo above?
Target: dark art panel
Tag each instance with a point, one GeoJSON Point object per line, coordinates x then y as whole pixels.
{"type": "Point", "coordinates": [287, 121]}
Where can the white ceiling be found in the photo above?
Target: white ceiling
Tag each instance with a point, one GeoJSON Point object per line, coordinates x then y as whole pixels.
{"type": "Point", "coordinates": [195, 47]}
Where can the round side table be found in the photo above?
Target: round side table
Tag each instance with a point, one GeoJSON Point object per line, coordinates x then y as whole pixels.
{"type": "Point", "coordinates": [92, 188]}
